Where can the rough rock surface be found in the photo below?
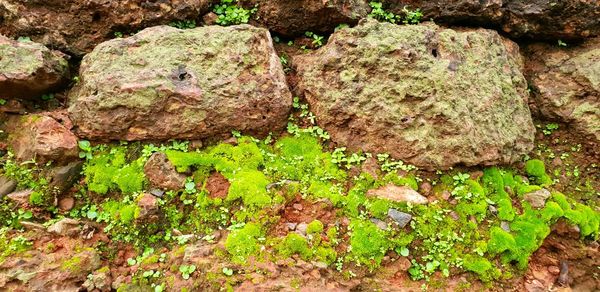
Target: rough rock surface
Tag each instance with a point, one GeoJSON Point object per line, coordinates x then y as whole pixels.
{"type": "Point", "coordinates": [43, 138]}
{"type": "Point", "coordinates": [537, 199]}
{"type": "Point", "coordinates": [294, 17]}
{"type": "Point", "coordinates": [78, 26]}
{"type": "Point", "coordinates": [167, 83]}
{"type": "Point", "coordinates": [398, 194]}
{"type": "Point", "coordinates": [552, 20]}
{"type": "Point", "coordinates": [28, 69]}
{"type": "Point", "coordinates": [161, 173]}
{"type": "Point", "coordinates": [433, 97]}
{"type": "Point", "coordinates": [566, 84]}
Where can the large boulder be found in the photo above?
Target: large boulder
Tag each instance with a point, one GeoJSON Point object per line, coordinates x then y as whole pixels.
{"type": "Point", "coordinates": [566, 83]}
{"type": "Point", "coordinates": [294, 17]}
{"type": "Point", "coordinates": [42, 138]}
{"type": "Point", "coordinates": [77, 26]}
{"type": "Point", "coordinates": [542, 19]}
{"type": "Point", "coordinates": [431, 96]}
{"type": "Point", "coordinates": [29, 69]}
{"type": "Point", "coordinates": [167, 83]}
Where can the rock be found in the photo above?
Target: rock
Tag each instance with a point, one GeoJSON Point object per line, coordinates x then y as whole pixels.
{"type": "Point", "coordinates": [291, 226]}
{"type": "Point", "coordinates": [148, 207]}
{"type": "Point", "coordinates": [155, 85]}
{"type": "Point", "coordinates": [301, 228]}
{"type": "Point", "coordinates": [294, 17]}
{"type": "Point", "coordinates": [493, 210]}
{"type": "Point", "coordinates": [20, 197]}
{"type": "Point", "coordinates": [65, 227]}
{"type": "Point", "coordinates": [537, 199]}
{"type": "Point", "coordinates": [567, 84]}
{"type": "Point", "coordinates": [32, 226]}
{"type": "Point", "coordinates": [554, 270]}
{"type": "Point", "coordinates": [381, 224]}
{"type": "Point", "coordinates": [7, 185]}
{"type": "Point", "coordinates": [157, 193]}
{"type": "Point", "coordinates": [403, 264]}
{"type": "Point", "coordinates": [41, 138]}
{"type": "Point", "coordinates": [505, 226]}
{"type": "Point", "coordinates": [99, 280]}
{"type": "Point", "coordinates": [371, 167]}
{"type": "Point", "coordinates": [28, 69]}
{"type": "Point", "coordinates": [217, 185]}
{"type": "Point", "coordinates": [563, 277]}
{"type": "Point", "coordinates": [426, 188]}
{"type": "Point", "coordinates": [66, 203]}
{"type": "Point", "coordinates": [161, 173]}
{"type": "Point", "coordinates": [551, 20]}
{"type": "Point", "coordinates": [398, 194]}
{"type": "Point", "coordinates": [400, 217]}
{"type": "Point", "coordinates": [193, 252]}
{"type": "Point", "coordinates": [298, 206]}
{"type": "Point", "coordinates": [78, 26]}
{"type": "Point", "coordinates": [64, 177]}
{"type": "Point", "coordinates": [430, 96]}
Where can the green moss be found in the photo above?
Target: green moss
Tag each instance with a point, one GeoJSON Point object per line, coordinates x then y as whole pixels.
{"type": "Point", "coordinates": [314, 227]}
{"type": "Point", "coordinates": [536, 169]}
{"type": "Point", "coordinates": [251, 187]}
{"type": "Point", "coordinates": [109, 170]}
{"type": "Point", "coordinates": [482, 267]}
{"type": "Point", "coordinates": [295, 243]}
{"type": "Point", "coordinates": [369, 243]}
{"type": "Point", "coordinates": [72, 264]}
{"type": "Point", "coordinates": [244, 242]}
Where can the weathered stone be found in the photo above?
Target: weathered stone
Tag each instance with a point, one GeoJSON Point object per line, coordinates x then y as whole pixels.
{"type": "Point", "coordinates": [537, 199]}
{"type": "Point", "coordinates": [217, 186]}
{"type": "Point", "coordinates": [400, 217]}
{"type": "Point", "coordinates": [63, 177]}
{"type": "Point", "coordinates": [381, 224]}
{"type": "Point", "coordinates": [162, 174]}
{"type": "Point", "coordinates": [32, 226]}
{"type": "Point", "coordinates": [301, 228]}
{"type": "Point", "coordinates": [41, 138]}
{"type": "Point", "coordinates": [541, 19]}
{"type": "Point", "coordinates": [294, 17]}
{"type": "Point", "coordinates": [505, 226]}
{"type": "Point", "coordinates": [567, 84]}
{"type": "Point", "coordinates": [28, 69]}
{"type": "Point", "coordinates": [78, 26]}
{"type": "Point", "coordinates": [196, 251]}
{"type": "Point", "coordinates": [7, 185]}
{"type": "Point", "coordinates": [20, 197]}
{"type": "Point", "coordinates": [398, 194]}
{"type": "Point", "coordinates": [65, 227]}
{"type": "Point", "coordinates": [66, 203]}
{"type": "Point", "coordinates": [157, 85]}
{"type": "Point", "coordinates": [148, 207]}
{"type": "Point", "coordinates": [430, 96]}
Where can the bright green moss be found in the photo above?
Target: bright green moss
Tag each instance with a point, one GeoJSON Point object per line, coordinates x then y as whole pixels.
{"type": "Point", "coordinates": [36, 198]}
{"type": "Point", "coordinates": [536, 169]}
{"type": "Point", "coordinates": [242, 243]}
{"type": "Point", "coordinates": [495, 182]}
{"type": "Point", "coordinates": [369, 243]}
{"type": "Point", "coordinates": [378, 208]}
{"type": "Point", "coordinates": [110, 171]}
{"type": "Point", "coordinates": [251, 187]}
{"type": "Point", "coordinates": [325, 254]}
{"type": "Point", "coordinates": [124, 213]}
{"type": "Point", "coordinates": [481, 266]}
{"type": "Point", "coordinates": [295, 243]}
{"type": "Point", "coordinates": [314, 227]}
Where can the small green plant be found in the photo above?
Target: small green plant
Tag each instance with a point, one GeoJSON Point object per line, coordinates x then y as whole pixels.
{"type": "Point", "coordinates": [244, 242]}
{"type": "Point", "coordinates": [2, 101]}
{"type": "Point", "coordinates": [410, 16]}
{"type": "Point", "coordinates": [229, 13]}
{"type": "Point", "coordinates": [85, 149]}
{"type": "Point", "coordinates": [183, 24]}
{"type": "Point", "coordinates": [561, 43]}
{"type": "Point", "coordinates": [227, 271]}
{"type": "Point", "coordinates": [118, 34]}
{"type": "Point", "coordinates": [549, 128]}
{"type": "Point", "coordinates": [47, 97]}
{"type": "Point", "coordinates": [186, 271]}
{"type": "Point", "coordinates": [317, 40]}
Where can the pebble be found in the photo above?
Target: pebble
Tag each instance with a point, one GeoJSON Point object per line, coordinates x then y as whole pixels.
{"type": "Point", "coordinates": [301, 228]}
{"type": "Point", "coordinates": [554, 270]}
{"type": "Point", "coordinates": [400, 217]}
{"type": "Point", "coordinates": [66, 204]}
{"type": "Point", "coordinates": [381, 224]}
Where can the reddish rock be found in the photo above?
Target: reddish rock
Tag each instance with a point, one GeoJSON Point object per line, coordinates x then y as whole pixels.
{"type": "Point", "coordinates": [538, 19]}
{"type": "Point", "coordinates": [567, 84]}
{"type": "Point", "coordinates": [41, 138]}
{"type": "Point", "coordinates": [28, 69]}
{"type": "Point", "coordinates": [148, 207]}
{"type": "Point", "coordinates": [217, 186]}
{"type": "Point", "coordinates": [294, 17]}
{"type": "Point", "coordinates": [66, 204]}
{"type": "Point", "coordinates": [162, 174]}
{"type": "Point", "coordinates": [156, 86]}
{"type": "Point", "coordinates": [398, 194]}
{"type": "Point", "coordinates": [77, 26]}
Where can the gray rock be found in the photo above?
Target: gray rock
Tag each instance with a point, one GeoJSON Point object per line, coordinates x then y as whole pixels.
{"type": "Point", "coordinates": [20, 197]}
{"type": "Point", "coordinates": [537, 199]}
{"type": "Point", "coordinates": [157, 193]}
{"type": "Point", "coordinates": [301, 228]}
{"type": "Point", "coordinates": [505, 226]}
{"type": "Point", "coordinates": [400, 217]}
{"type": "Point", "coordinates": [65, 227]}
{"type": "Point", "coordinates": [7, 185]}
{"type": "Point", "coordinates": [64, 177]}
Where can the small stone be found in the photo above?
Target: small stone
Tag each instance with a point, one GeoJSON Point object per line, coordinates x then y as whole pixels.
{"type": "Point", "coordinates": [298, 207]}
{"type": "Point", "coordinates": [403, 264]}
{"type": "Point", "coordinates": [320, 265]}
{"type": "Point", "coordinates": [537, 199]}
{"type": "Point", "coordinates": [493, 210]}
{"type": "Point", "coordinates": [400, 217]}
{"type": "Point", "coordinates": [65, 227]}
{"type": "Point", "coordinates": [162, 174]}
{"type": "Point", "coordinates": [563, 277]}
{"type": "Point", "coordinates": [291, 226]}
{"type": "Point", "coordinates": [301, 228]}
{"type": "Point", "coordinates": [426, 188]}
{"type": "Point", "coordinates": [210, 18]}
{"type": "Point", "coordinates": [66, 204]}
{"type": "Point", "coordinates": [7, 185]}
{"type": "Point", "coordinates": [64, 177]}
{"type": "Point", "coordinates": [148, 207]}
{"type": "Point", "coordinates": [554, 270]}
{"type": "Point", "coordinates": [157, 193]}
{"type": "Point", "coordinates": [398, 194]}
{"type": "Point", "coordinates": [381, 224]}
{"type": "Point", "coordinates": [505, 226]}
{"type": "Point", "coordinates": [32, 226]}
{"type": "Point", "coordinates": [20, 197]}
{"type": "Point", "coordinates": [198, 250]}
